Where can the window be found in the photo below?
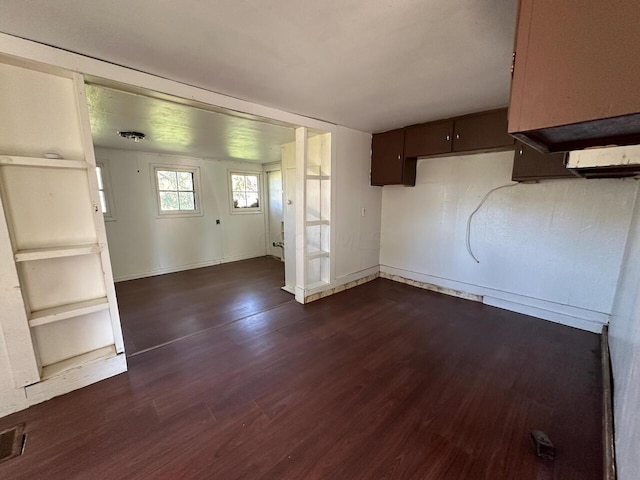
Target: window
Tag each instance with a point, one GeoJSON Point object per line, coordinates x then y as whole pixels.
{"type": "Point", "coordinates": [177, 189]}
{"type": "Point", "coordinates": [104, 191]}
{"type": "Point", "coordinates": [245, 192]}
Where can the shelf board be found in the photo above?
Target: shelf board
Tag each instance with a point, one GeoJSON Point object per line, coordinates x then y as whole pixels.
{"type": "Point", "coordinates": [317, 254]}
{"type": "Point", "coordinates": [56, 252]}
{"type": "Point", "coordinates": [318, 177]}
{"type": "Point", "coordinates": [78, 361]}
{"type": "Point", "coordinates": [55, 314]}
{"type": "Point", "coordinates": [7, 161]}
{"type": "Point", "coordinates": [313, 223]}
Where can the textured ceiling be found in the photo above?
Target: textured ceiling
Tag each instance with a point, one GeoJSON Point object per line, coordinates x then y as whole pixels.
{"type": "Point", "coordinates": [179, 129]}
{"type": "Point", "coordinates": [371, 65]}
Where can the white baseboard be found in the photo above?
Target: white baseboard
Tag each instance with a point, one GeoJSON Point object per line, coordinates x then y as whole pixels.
{"type": "Point", "coordinates": [551, 316]}
{"type": "Point", "coordinates": [569, 315]}
{"type": "Point", "coordinates": [181, 268]}
{"type": "Point", "coordinates": [342, 283]}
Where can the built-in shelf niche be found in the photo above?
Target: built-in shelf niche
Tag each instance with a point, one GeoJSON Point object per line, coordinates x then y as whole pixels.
{"type": "Point", "coordinates": [318, 210]}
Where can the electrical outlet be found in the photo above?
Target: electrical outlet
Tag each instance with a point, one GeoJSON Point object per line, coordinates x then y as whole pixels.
{"type": "Point", "coordinates": [364, 211]}
{"type": "Point", "coordinates": [218, 222]}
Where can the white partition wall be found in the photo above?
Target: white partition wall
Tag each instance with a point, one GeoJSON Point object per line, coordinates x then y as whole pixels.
{"type": "Point", "coordinates": [62, 330]}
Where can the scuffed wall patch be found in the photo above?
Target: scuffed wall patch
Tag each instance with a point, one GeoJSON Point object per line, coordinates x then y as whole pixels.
{"type": "Point", "coordinates": [432, 287]}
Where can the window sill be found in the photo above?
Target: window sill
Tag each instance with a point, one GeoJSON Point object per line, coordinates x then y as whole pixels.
{"type": "Point", "coordinates": [246, 212]}
{"type": "Point", "coordinates": [179, 215]}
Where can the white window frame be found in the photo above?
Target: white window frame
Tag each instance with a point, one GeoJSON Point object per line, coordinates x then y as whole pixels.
{"type": "Point", "coordinates": [198, 212]}
{"type": "Point", "coordinates": [110, 215]}
{"type": "Point", "coordinates": [245, 211]}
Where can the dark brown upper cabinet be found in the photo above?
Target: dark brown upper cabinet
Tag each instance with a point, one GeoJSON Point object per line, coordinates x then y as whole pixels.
{"type": "Point", "coordinates": [394, 153]}
{"type": "Point", "coordinates": [388, 164]}
{"type": "Point", "coordinates": [428, 139]}
{"type": "Point", "coordinates": [530, 165]}
{"type": "Point", "coordinates": [575, 74]}
{"type": "Point", "coordinates": [482, 131]}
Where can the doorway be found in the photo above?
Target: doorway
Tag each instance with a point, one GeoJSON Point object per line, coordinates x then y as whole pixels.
{"type": "Point", "coordinates": [275, 229]}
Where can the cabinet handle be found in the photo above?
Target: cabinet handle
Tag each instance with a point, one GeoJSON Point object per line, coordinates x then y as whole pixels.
{"type": "Point", "coordinates": [457, 136]}
{"type": "Point", "coordinates": [398, 157]}
{"type": "Point", "coordinates": [521, 152]}
{"type": "Point", "coordinates": [448, 137]}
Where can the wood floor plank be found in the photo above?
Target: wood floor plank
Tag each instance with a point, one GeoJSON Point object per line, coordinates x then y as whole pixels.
{"type": "Point", "coordinates": [382, 381]}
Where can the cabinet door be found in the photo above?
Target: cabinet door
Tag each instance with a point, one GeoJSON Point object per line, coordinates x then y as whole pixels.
{"type": "Point", "coordinates": [387, 158]}
{"type": "Point", "coordinates": [575, 61]}
{"type": "Point", "coordinates": [428, 139]}
{"type": "Point", "coordinates": [483, 131]}
{"type": "Point", "coordinates": [529, 164]}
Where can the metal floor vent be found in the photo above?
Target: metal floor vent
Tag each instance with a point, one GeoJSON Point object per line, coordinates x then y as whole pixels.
{"type": "Point", "coordinates": [12, 442]}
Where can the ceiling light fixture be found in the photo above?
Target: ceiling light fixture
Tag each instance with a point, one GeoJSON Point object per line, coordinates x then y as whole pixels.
{"type": "Point", "coordinates": [135, 136]}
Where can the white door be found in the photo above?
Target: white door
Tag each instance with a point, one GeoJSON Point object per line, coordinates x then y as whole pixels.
{"type": "Point", "coordinates": [274, 192]}
{"type": "Point", "coordinates": [56, 243]}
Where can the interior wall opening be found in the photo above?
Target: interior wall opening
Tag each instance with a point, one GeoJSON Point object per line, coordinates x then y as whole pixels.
{"type": "Point", "coordinates": [193, 203]}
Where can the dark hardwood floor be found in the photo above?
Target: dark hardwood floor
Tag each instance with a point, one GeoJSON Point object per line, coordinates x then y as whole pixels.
{"type": "Point", "coordinates": [383, 381]}
{"type": "Point", "coordinates": [157, 310]}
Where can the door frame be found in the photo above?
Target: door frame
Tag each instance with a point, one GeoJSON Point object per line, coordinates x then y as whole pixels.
{"type": "Point", "coordinates": [266, 168]}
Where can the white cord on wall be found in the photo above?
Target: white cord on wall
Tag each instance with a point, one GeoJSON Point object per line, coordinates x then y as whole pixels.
{"type": "Point", "coordinates": [476, 211]}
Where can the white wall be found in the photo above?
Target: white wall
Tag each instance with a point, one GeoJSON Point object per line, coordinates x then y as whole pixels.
{"type": "Point", "coordinates": [552, 249]}
{"type": "Point", "coordinates": [357, 240]}
{"type": "Point", "coordinates": [142, 244]}
{"type": "Point", "coordinates": [624, 341]}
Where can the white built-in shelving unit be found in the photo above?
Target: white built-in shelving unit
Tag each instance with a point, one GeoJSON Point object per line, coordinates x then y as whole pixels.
{"type": "Point", "coordinates": [313, 221]}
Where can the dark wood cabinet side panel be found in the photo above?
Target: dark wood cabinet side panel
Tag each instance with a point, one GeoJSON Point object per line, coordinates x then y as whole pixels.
{"type": "Point", "coordinates": [387, 158]}
{"type": "Point", "coordinates": [428, 139]}
{"type": "Point", "coordinates": [410, 172]}
{"type": "Point", "coordinates": [529, 164]}
{"type": "Point", "coordinates": [482, 131]}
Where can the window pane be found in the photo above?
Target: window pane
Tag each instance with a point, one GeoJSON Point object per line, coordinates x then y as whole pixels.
{"type": "Point", "coordinates": [237, 183]}
{"type": "Point", "coordinates": [103, 201]}
{"type": "Point", "coordinates": [239, 200]}
{"type": "Point", "coordinates": [251, 183]}
{"type": "Point", "coordinates": [187, 201]}
{"type": "Point", "coordinates": [99, 175]}
{"type": "Point", "coordinates": [185, 181]}
{"type": "Point", "coordinates": [167, 181]}
{"type": "Point", "coordinates": [169, 201]}
{"type": "Point", "coordinates": [252, 200]}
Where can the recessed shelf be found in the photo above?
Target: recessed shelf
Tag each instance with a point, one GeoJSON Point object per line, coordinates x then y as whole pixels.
{"type": "Point", "coordinates": [7, 161]}
{"type": "Point", "coordinates": [56, 252]}
{"type": "Point", "coordinates": [317, 254]}
{"type": "Point", "coordinates": [54, 369]}
{"type": "Point", "coordinates": [55, 314]}
{"type": "Point", "coordinates": [318, 177]}
{"type": "Point", "coordinates": [313, 223]}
